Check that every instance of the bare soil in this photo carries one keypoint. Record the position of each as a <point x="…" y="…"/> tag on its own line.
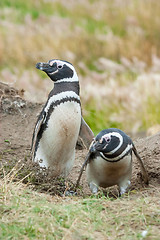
<point x="17" y="120"/>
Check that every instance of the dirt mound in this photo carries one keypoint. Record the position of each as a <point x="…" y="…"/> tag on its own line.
<point x="17" y="120"/>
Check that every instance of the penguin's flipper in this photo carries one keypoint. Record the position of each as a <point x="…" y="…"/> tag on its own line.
<point x="36" y="131"/>
<point x="143" y="169"/>
<point x="86" y="133"/>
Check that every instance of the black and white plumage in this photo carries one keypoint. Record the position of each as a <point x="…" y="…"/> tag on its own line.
<point x="110" y="161"/>
<point x="60" y="122"/>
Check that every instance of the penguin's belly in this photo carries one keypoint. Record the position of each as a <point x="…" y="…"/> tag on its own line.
<point x="56" y="148"/>
<point x="106" y="174"/>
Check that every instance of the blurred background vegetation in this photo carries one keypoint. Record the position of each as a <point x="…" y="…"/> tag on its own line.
<point x="114" y="46"/>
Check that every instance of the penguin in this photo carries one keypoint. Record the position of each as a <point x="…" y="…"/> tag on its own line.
<point x="60" y="122"/>
<point x="109" y="161"/>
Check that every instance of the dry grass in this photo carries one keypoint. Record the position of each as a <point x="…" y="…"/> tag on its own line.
<point x="30" y="215"/>
<point x="26" y="172"/>
<point x="111" y="30"/>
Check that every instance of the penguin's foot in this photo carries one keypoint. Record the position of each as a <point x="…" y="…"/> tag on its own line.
<point x="69" y="193"/>
<point x="124" y="187"/>
<point x="93" y="187"/>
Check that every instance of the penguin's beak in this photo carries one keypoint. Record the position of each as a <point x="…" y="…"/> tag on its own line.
<point x="96" y="146"/>
<point x="42" y="66"/>
<point x="92" y="149"/>
<point x="46" y="67"/>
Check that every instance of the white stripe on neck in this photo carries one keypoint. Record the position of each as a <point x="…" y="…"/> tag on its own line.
<point x="129" y="146"/>
<point x="60" y="96"/>
<point x="67" y="80"/>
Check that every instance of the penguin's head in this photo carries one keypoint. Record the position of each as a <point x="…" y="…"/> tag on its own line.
<point x="106" y="141"/>
<point x="58" y="70"/>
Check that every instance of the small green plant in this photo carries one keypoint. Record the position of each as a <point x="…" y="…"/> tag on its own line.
<point x="7" y="141"/>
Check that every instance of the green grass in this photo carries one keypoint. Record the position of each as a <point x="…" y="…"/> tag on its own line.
<point x="34" y="8"/>
<point x="32" y="215"/>
<point x="151" y="113"/>
<point x="99" y="119"/>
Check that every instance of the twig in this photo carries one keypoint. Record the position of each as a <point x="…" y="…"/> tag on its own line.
<point x="82" y="169"/>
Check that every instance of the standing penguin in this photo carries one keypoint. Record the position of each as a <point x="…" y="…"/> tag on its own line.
<point x="60" y="122"/>
<point x="110" y="161"/>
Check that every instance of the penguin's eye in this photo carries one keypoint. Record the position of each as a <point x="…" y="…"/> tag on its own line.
<point x="107" y="139"/>
<point x="60" y="66"/>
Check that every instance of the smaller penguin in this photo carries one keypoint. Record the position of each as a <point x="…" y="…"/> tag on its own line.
<point x="109" y="161"/>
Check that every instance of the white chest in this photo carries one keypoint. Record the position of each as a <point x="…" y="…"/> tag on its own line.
<point x="57" y="146"/>
<point x="64" y="123"/>
<point x="107" y="174"/>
